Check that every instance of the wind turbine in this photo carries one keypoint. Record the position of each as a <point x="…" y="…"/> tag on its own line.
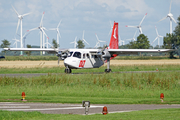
<point x="42" y="32"/>
<point x="139" y="26"/>
<point x="158" y="36"/>
<point x="170" y="16"/>
<point x="84" y="39"/>
<point x="16" y="40"/>
<point x="133" y="37"/>
<point x="20" y="17"/>
<point x="58" y="33"/>
<point x="98" y="43"/>
<point x="75" y="43"/>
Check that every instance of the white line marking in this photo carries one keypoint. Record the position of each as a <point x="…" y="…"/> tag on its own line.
<point x="51" y="108"/>
<point x="2" y="107"/>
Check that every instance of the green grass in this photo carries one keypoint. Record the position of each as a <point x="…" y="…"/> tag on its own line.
<point x="101" y="69"/>
<point x="113" y="88"/>
<point x="161" y="114"/>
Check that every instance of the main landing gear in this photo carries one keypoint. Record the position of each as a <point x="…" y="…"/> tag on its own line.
<point x="108" y="66"/>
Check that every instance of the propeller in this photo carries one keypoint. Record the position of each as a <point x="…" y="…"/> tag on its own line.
<point x="61" y="55"/>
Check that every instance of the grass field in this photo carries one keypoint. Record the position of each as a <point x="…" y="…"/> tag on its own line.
<point x="112" y="88"/>
<point x="162" y="114"/>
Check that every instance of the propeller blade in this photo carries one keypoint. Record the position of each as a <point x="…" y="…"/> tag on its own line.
<point x="142" y="19"/>
<point x="59" y="60"/>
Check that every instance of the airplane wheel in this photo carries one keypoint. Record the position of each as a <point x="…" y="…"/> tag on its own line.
<point x="67" y="71"/>
<point x="107" y="71"/>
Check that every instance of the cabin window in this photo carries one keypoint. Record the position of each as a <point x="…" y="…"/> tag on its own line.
<point x="84" y="55"/>
<point x="77" y="54"/>
<point x="69" y="54"/>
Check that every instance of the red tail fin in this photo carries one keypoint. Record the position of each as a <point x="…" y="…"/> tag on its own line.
<point x="114" y="42"/>
<point x="114" y="37"/>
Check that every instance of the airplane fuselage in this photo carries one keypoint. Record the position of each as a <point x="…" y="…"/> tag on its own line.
<point x="82" y="58"/>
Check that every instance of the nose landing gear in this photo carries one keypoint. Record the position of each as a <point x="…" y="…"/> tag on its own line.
<point x="67" y="70"/>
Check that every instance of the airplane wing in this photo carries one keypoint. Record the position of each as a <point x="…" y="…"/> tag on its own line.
<point x="50" y="50"/>
<point x="136" y="51"/>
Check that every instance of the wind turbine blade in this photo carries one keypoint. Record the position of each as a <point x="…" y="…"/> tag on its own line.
<point x="132" y="26"/>
<point x="135" y="34"/>
<point x="17" y="26"/>
<point x="97" y="37"/>
<point x="111" y="28"/>
<point x="41" y="23"/>
<point x="162" y="19"/>
<point x="155" y="40"/>
<point x="32" y="29"/>
<point x="143" y="19"/>
<point x="59" y="33"/>
<point x="156" y="30"/>
<point x="85" y="41"/>
<point x="173" y="20"/>
<point x="26" y="14"/>
<point x="59" y="23"/>
<point x="44" y="33"/>
<point x="83" y="35"/>
<point x="15" y="11"/>
<point x="170" y="7"/>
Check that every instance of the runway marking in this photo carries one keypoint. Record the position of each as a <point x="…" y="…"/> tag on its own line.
<point x="2" y="107"/>
<point x="43" y="109"/>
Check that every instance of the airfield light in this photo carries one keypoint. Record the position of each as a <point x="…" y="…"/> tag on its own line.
<point x="157" y="69"/>
<point x="104" y="111"/>
<point x="23" y="96"/>
<point x="162" y="97"/>
<point x="86" y="104"/>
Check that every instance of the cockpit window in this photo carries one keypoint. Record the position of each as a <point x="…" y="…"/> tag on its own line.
<point x="77" y="54"/>
<point x="69" y="54"/>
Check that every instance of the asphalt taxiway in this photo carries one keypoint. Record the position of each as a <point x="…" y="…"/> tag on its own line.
<point x="58" y="108"/>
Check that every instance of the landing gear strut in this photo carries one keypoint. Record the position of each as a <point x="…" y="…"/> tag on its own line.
<point x="108" y="66"/>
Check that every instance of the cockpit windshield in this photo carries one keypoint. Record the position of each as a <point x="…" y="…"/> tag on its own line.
<point x="69" y="54"/>
<point x="77" y="54"/>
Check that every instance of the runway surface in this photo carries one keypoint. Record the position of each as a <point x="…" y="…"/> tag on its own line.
<point x="57" y="108"/>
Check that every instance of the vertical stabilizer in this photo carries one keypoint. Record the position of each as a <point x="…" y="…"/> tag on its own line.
<point x="114" y="37"/>
<point x="114" y="42"/>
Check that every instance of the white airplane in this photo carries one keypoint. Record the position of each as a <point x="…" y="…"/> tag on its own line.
<point x="91" y="58"/>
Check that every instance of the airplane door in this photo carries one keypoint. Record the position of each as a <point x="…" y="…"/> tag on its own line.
<point x="86" y="58"/>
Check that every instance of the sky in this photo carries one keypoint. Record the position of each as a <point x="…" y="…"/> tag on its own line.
<point x="92" y="16"/>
